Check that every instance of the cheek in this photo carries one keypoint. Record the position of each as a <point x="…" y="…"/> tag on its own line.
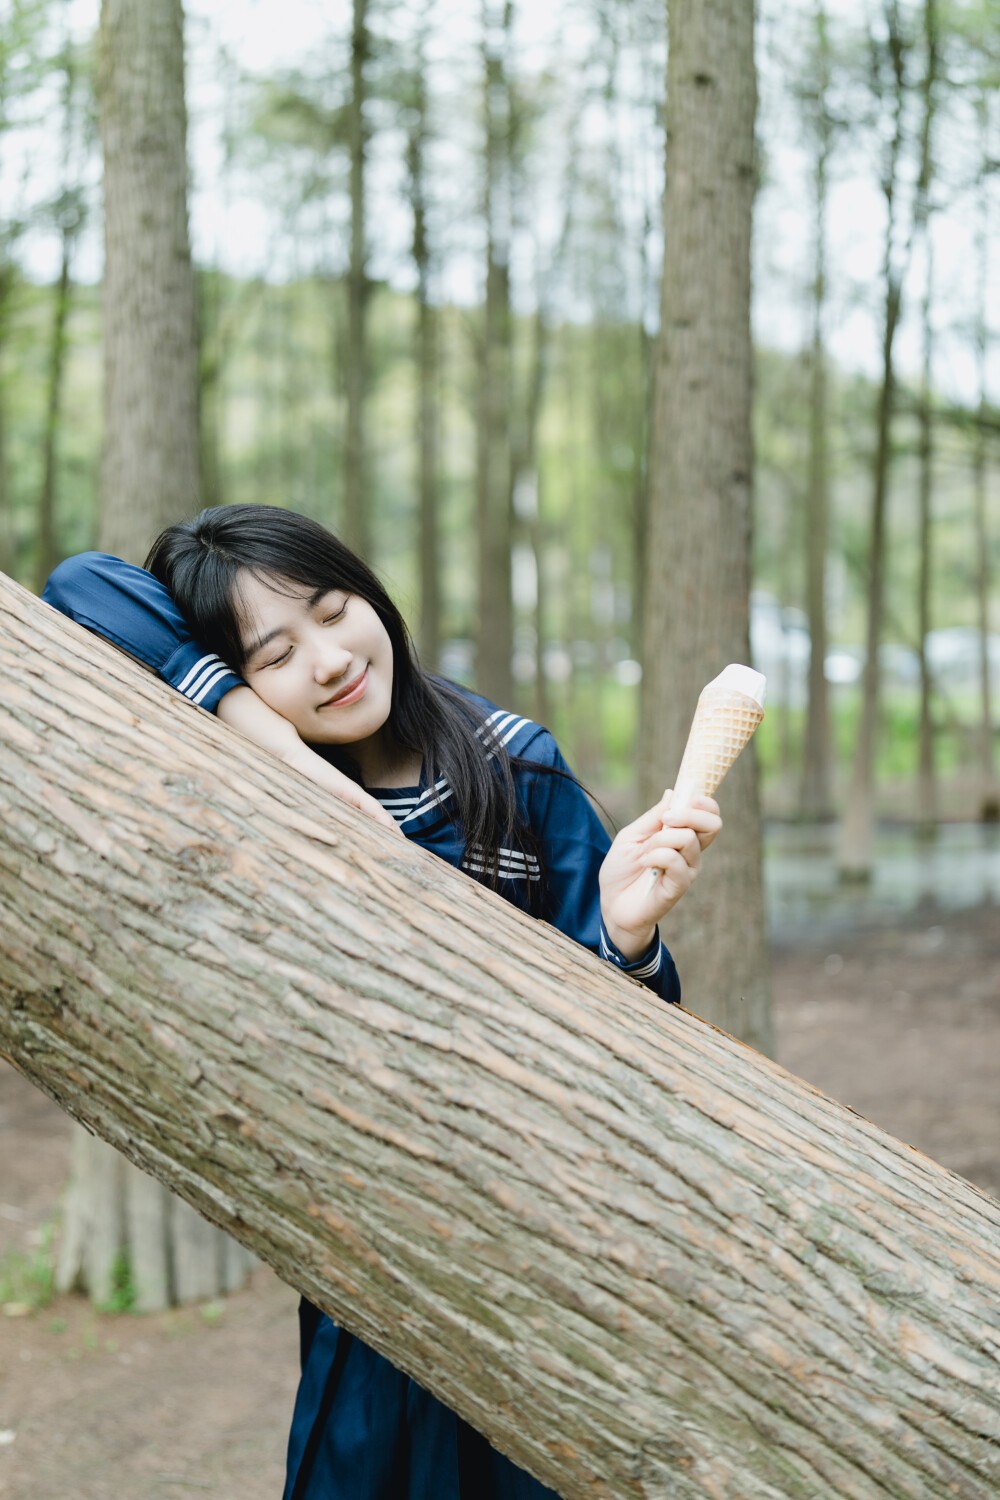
<point x="278" y="690"/>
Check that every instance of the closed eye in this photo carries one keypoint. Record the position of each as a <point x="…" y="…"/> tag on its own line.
<point x="278" y="660"/>
<point x="336" y="615"/>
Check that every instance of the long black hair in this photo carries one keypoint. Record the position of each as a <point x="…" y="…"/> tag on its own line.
<point x="199" y="563"/>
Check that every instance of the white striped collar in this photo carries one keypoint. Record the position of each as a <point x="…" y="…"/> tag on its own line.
<point x="411" y="808"/>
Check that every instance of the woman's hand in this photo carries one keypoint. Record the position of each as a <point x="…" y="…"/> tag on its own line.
<point x="241" y="709"/>
<point x="632" y="903"/>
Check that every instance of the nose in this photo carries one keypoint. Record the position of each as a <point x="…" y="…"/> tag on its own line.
<point x="331" y="661"/>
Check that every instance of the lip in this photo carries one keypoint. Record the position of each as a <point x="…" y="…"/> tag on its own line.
<point x="350" y="694"/>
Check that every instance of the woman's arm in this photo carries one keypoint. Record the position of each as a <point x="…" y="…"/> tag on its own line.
<point x="131" y="609"/>
<point x="242" y="710"/>
<point x="573" y="846"/>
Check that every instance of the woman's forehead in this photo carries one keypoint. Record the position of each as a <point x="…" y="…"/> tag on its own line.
<point x="271" y="600"/>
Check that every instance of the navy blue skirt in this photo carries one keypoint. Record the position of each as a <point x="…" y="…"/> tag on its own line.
<point x="362" y="1430"/>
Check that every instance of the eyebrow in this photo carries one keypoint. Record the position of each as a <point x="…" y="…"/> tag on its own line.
<point x="264" y="640"/>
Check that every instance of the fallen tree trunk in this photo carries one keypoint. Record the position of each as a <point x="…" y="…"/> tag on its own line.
<point x="643" y="1260"/>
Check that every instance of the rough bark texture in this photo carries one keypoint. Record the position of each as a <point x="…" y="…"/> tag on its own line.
<point x="856" y="852"/>
<point x="817" y="769"/>
<point x="357" y="521"/>
<point x="151" y="449"/>
<point x="428" y="375"/>
<point x="642" y="1259"/>
<point x="696" y="599"/>
<point x="925" y="418"/>
<point x="989" y="801"/>
<point x="494" y="521"/>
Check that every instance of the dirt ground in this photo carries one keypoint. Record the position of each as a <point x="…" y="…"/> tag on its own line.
<point x="904" y="1025"/>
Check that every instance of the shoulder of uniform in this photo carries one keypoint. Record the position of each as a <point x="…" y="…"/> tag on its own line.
<point x="501" y="726"/>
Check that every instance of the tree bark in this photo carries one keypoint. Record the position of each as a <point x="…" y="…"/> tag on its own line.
<point x="495" y="626"/>
<point x="428" y="375"/>
<point x="45" y="557"/>
<point x="927" y="788"/>
<point x="856" y="851"/>
<point x="357" y="520"/>
<point x="697" y="592"/>
<point x="150" y="472"/>
<point x="817" y="769"/>
<point x="989" y="800"/>
<point x="642" y="1259"/>
<point x="150" y="478"/>
<point x="70" y="223"/>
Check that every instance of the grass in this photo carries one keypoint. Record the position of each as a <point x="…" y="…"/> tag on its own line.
<point x="27" y="1280"/>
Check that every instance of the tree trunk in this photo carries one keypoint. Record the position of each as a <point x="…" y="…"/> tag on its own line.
<point x="989" y="800"/>
<point x="114" y="1223"/>
<point x="71" y="222"/>
<point x="8" y="530"/>
<point x="817" y="769"/>
<point x="494" y="636"/>
<point x="357" y="520"/>
<point x="428" y="378"/>
<point x="150" y="474"/>
<point x="926" y="785"/>
<point x="696" y="597"/>
<point x="46" y="555"/>
<point x="643" y="1260"/>
<point x="856" y="852"/>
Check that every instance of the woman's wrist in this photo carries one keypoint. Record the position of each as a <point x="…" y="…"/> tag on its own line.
<point x="631" y="945"/>
<point x="241" y="709"/>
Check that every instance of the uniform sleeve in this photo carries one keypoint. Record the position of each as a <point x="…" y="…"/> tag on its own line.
<point x="573" y="845"/>
<point x="129" y="607"/>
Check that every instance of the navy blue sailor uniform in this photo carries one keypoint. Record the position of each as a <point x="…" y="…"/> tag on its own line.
<point x="361" y="1429"/>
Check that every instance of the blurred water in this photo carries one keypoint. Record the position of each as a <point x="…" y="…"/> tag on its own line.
<point x="807" y="901"/>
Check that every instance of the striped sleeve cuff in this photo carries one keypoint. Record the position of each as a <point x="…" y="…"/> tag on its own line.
<point x="646" y="966"/>
<point x="202" y="677"/>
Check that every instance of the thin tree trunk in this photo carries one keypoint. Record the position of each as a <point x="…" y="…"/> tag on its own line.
<point x="643" y="1260"/>
<point x="817" y="771"/>
<point x="700" y="477"/>
<point x="151" y="446"/>
<point x="150" y="478"/>
<point x="210" y="362"/>
<point x="528" y="484"/>
<point x="357" y="498"/>
<point x="926" y="783"/>
<point x="428" y="377"/>
<point x="47" y="551"/>
<point x="926" y="779"/>
<point x="856" y="850"/>
<point x="989" y="801"/>
<point x="494" y="636"/>
<point x="8" y="530"/>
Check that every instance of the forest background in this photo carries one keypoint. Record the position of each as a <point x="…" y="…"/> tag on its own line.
<point x="878" y="145"/>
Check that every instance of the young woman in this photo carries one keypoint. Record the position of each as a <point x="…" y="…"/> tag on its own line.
<point x="262" y="616"/>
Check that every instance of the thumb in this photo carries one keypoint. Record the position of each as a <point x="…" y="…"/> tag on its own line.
<point x="650" y="822"/>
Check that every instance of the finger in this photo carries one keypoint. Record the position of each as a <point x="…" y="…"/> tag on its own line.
<point x="374" y="809"/>
<point x="693" y="817"/>
<point x="649" y="822"/>
<point x="684" y="840"/>
<point x="677" y="860"/>
<point x="671" y="866"/>
<point x="673" y="840"/>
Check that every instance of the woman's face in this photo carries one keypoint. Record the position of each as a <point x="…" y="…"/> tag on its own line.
<point x="324" y="662"/>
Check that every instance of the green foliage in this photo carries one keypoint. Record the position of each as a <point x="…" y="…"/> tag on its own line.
<point x="27" y="1280"/>
<point x="123" y="1292"/>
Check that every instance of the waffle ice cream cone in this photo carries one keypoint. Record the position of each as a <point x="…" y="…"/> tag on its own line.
<point x="728" y="712"/>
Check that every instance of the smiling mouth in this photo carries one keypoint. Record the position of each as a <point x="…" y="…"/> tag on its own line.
<point x="349" y="694"/>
